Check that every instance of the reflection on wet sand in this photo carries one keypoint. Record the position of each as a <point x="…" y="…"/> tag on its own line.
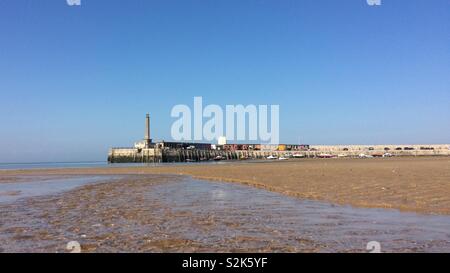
<point x="163" y="213"/>
<point x="23" y="187"/>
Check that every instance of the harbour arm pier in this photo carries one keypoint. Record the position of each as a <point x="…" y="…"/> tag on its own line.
<point x="147" y="151"/>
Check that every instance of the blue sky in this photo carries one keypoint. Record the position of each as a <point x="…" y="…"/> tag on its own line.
<point x="77" y="80"/>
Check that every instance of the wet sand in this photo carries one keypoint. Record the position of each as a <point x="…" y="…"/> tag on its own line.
<point x="38" y="186"/>
<point x="168" y="213"/>
<point x="409" y="184"/>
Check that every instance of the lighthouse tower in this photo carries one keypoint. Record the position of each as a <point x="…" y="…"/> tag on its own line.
<point x="147" y="138"/>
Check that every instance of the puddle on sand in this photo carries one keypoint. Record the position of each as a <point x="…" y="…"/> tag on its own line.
<point x="10" y="192"/>
<point x="158" y="213"/>
<point x="233" y="210"/>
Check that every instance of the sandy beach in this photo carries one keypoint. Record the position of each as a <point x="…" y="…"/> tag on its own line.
<point x="408" y="184"/>
<point x="261" y="207"/>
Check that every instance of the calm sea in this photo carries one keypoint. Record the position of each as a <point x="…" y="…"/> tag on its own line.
<point x="51" y="165"/>
<point x="95" y="164"/>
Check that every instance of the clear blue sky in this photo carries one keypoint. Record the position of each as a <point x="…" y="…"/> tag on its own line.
<point x="77" y="80"/>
